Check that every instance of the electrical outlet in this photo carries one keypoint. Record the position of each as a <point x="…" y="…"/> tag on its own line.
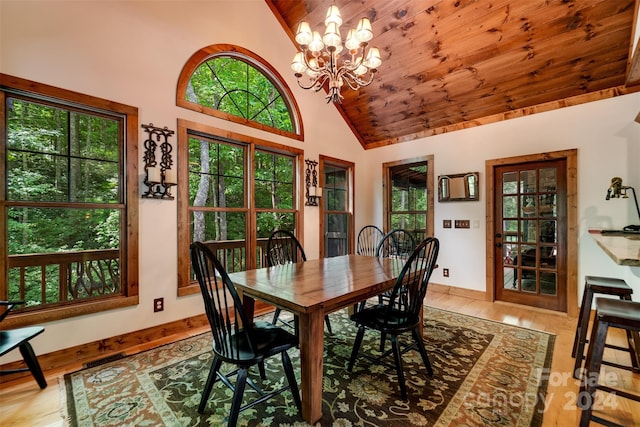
<point x="462" y="223"/>
<point x="445" y="272"/>
<point x="446" y="223"/>
<point x="158" y="305"/>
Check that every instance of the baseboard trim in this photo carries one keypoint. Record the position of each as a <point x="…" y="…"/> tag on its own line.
<point x="129" y="343"/>
<point x="460" y="292"/>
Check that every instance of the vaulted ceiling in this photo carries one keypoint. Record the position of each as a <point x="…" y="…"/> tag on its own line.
<point x="452" y="64"/>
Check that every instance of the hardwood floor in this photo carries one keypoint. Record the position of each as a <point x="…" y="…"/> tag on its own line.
<point x="22" y="403"/>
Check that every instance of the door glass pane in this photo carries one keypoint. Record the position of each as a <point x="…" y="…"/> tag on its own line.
<point x="528" y="208"/>
<point x="548" y="283"/>
<point x="528" y="230"/>
<point x="510" y="183"/>
<point x="548" y="179"/>
<point x="528" y="181"/>
<point x="510" y="206"/>
<point x="548" y="232"/>
<point x="548" y="205"/>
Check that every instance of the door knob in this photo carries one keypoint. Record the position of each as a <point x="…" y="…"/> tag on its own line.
<point x="498" y="245"/>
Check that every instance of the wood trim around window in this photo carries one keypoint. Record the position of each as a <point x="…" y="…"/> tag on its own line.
<point x="350" y="166"/>
<point x="386" y="186"/>
<point x="129" y="246"/>
<point x="272" y="74"/>
<point x="185" y="285"/>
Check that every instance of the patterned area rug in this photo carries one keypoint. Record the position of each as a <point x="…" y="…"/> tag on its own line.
<point x="486" y="373"/>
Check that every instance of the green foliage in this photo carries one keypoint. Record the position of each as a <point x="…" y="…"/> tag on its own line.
<point x="69" y="158"/>
<point x="238" y="87"/>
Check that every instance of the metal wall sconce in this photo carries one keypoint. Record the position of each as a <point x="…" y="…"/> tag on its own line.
<point x="313" y="193"/>
<point x="617" y="190"/>
<point x="159" y="178"/>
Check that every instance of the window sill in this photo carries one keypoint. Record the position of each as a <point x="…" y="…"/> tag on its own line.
<point x="16" y="320"/>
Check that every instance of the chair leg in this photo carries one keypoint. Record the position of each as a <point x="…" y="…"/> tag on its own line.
<point x="328" y="322"/>
<point x="581" y="332"/>
<point x="211" y="379"/>
<point x="583" y="310"/>
<point x="383" y="341"/>
<point x="293" y="384"/>
<point x="31" y="360"/>
<point x="423" y="350"/>
<point x="399" y="369"/>
<point x="276" y="314"/>
<point x="263" y="373"/>
<point x="591" y="372"/>
<point x="356" y="348"/>
<point x="237" y="397"/>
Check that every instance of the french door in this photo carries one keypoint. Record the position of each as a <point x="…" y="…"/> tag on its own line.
<point x="531" y="233"/>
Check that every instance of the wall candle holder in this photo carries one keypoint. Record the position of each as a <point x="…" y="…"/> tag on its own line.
<point x="159" y="178"/>
<point x="312" y="191"/>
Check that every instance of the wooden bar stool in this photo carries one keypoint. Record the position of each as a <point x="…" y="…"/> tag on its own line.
<point x="615" y="313"/>
<point x="605" y="286"/>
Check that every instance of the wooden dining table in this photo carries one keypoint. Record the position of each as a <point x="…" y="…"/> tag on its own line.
<point x="310" y="290"/>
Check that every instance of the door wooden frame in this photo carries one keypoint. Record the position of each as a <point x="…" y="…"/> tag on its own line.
<point x="571" y="157"/>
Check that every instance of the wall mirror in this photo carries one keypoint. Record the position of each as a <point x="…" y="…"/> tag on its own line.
<point x="458" y="187"/>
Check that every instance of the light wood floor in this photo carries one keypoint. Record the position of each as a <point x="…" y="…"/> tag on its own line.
<point x="24" y="404"/>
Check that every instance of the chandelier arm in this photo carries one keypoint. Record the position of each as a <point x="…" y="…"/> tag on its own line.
<point x="315" y="84"/>
<point x="355" y="82"/>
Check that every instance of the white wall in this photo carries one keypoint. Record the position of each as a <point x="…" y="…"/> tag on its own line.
<point x="132" y="52"/>
<point x="608" y="143"/>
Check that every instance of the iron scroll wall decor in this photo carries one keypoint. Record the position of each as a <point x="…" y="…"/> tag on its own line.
<point x="158" y="177"/>
<point x="313" y="193"/>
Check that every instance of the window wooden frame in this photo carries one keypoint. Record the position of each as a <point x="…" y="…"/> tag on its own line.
<point x="350" y="166"/>
<point x="256" y="61"/>
<point x="129" y="231"/>
<point x="387" y="188"/>
<point x="185" y="128"/>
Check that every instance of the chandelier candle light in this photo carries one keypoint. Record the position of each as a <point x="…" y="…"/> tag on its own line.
<point x="322" y="63"/>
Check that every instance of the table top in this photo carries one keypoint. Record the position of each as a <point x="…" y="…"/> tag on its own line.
<point x="623" y="248"/>
<point x="330" y="283"/>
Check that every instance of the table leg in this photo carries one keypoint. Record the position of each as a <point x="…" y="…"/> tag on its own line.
<point x="248" y="304"/>
<point x="311" y="351"/>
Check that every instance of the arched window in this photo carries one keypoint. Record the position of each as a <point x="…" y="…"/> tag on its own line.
<point x="234" y="84"/>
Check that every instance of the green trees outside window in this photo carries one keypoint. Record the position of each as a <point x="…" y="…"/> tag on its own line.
<point x="409" y="198"/>
<point x="63" y="201"/>
<point x="232" y="187"/>
<point x="234" y="86"/>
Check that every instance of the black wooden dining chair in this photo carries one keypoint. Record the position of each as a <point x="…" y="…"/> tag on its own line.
<point x="368" y="239"/>
<point x="284" y="248"/>
<point x="397" y="243"/>
<point x="397" y="316"/>
<point x="19" y="338"/>
<point x="234" y="341"/>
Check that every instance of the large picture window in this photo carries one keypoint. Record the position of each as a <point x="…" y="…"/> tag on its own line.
<point x="236" y="192"/>
<point x="64" y="164"/>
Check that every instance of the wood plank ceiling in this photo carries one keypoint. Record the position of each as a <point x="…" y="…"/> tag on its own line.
<point x="452" y="64"/>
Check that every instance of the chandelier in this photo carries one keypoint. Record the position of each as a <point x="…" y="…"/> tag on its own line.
<point x="321" y="61"/>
